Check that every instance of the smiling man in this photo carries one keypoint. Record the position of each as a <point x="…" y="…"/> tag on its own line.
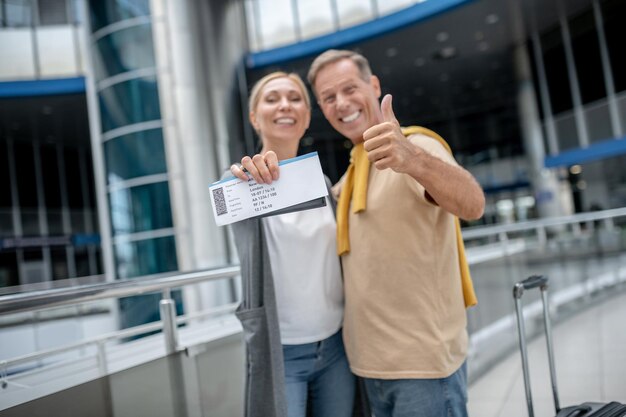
<point x="406" y="279"/>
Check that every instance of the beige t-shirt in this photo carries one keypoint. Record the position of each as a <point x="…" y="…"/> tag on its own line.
<point x="404" y="312"/>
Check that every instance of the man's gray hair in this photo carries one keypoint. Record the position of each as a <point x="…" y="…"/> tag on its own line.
<point x="334" y="55"/>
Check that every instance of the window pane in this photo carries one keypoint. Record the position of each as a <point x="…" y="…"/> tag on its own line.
<point x="145" y="257"/>
<point x="8" y="269"/>
<point x="352" y="12"/>
<point x="25" y="174"/>
<point x="6" y="222"/>
<point x="140" y="209"/>
<point x="30" y="222"/>
<point x="99" y="268"/>
<point x="77" y="221"/>
<point x="81" y="256"/>
<point x="33" y="254"/>
<point x="613" y="12"/>
<point x="141" y="309"/>
<point x="390" y="6"/>
<point x="52" y="12"/>
<point x="50" y="170"/>
<point x="276" y="23"/>
<point x="17" y="13"/>
<point x="103" y="13"/>
<point x="77" y="11"/>
<point x="135" y="155"/>
<point x="73" y="178"/>
<point x="556" y="71"/>
<point x="599" y="122"/>
<point x="55" y="221"/>
<point x="124" y="50"/>
<point x="587" y="57"/>
<point x="567" y="132"/>
<point x="315" y="17"/>
<point x="58" y="258"/>
<point x="253" y="30"/>
<point x="5" y="176"/>
<point x="130" y="102"/>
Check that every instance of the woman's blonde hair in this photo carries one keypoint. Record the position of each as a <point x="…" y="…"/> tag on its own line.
<point x="255" y="93"/>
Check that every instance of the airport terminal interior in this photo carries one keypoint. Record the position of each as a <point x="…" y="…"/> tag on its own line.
<point x="117" y="115"/>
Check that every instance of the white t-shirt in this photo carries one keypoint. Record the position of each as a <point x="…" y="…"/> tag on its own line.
<point x="307" y="276"/>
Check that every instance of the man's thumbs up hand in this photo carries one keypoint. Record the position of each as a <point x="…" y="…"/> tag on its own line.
<point x="385" y="144"/>
<point x="387" y="110"/>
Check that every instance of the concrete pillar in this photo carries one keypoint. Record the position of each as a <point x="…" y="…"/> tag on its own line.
<point x="545" y="182"/>
<point x="198" y="47"/>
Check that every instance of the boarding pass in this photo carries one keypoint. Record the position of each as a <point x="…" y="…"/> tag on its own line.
<point x="300" y="180"/>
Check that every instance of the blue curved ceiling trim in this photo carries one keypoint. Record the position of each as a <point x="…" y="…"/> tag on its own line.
<point x="35" y="88"/>
<point x="594" y="152"/>
<point x="364" y="31"/>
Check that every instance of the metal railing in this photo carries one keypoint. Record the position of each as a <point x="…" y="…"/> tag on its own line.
<point x="39" y="300"/>
<point x="583" y="254"/>
<point x="28" y="376"/>
<point x="540" y="226"/>
<point x="100" y="341"/>
<point x="538" y="232"/>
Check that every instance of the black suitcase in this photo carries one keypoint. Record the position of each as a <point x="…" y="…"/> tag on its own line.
<point x="589" y="409"/>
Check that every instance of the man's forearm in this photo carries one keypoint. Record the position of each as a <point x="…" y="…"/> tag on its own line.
<point x="451" y="187"/>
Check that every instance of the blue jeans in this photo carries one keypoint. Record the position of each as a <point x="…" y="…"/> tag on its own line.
<point x="319" y="371"/>
<point x="443" y="397"/>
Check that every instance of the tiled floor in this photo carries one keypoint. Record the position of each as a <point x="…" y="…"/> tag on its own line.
<point x="590" y="356"/>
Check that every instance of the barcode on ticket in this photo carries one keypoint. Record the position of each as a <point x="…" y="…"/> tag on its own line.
<point x="220" y="201"/>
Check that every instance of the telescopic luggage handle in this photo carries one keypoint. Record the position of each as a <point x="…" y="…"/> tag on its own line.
<point x="529" y="283"/>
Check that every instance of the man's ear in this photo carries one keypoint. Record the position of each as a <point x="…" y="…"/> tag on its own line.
<point x="375" y="83"/>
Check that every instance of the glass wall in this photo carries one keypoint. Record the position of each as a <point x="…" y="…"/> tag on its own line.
<point x="613" y="12"/>
<point x="316" y="17"/>
<point x="134" y="155"/>
<point x="275" y="23"/>
<point x="133" y="148"/>
<point x="41" y="39"/>
<point x="16" y="13"/>
<point x="129" y="102"/>
<point x="125" y="50"/>
<point x="48" y="217"/>
<point x="105" y="13"/>
<point x="456" y="72"/>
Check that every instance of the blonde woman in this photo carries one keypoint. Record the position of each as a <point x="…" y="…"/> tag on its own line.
<point x="292" y="307"/>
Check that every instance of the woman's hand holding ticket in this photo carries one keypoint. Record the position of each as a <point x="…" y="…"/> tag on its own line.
<point x="263" y="168"/>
